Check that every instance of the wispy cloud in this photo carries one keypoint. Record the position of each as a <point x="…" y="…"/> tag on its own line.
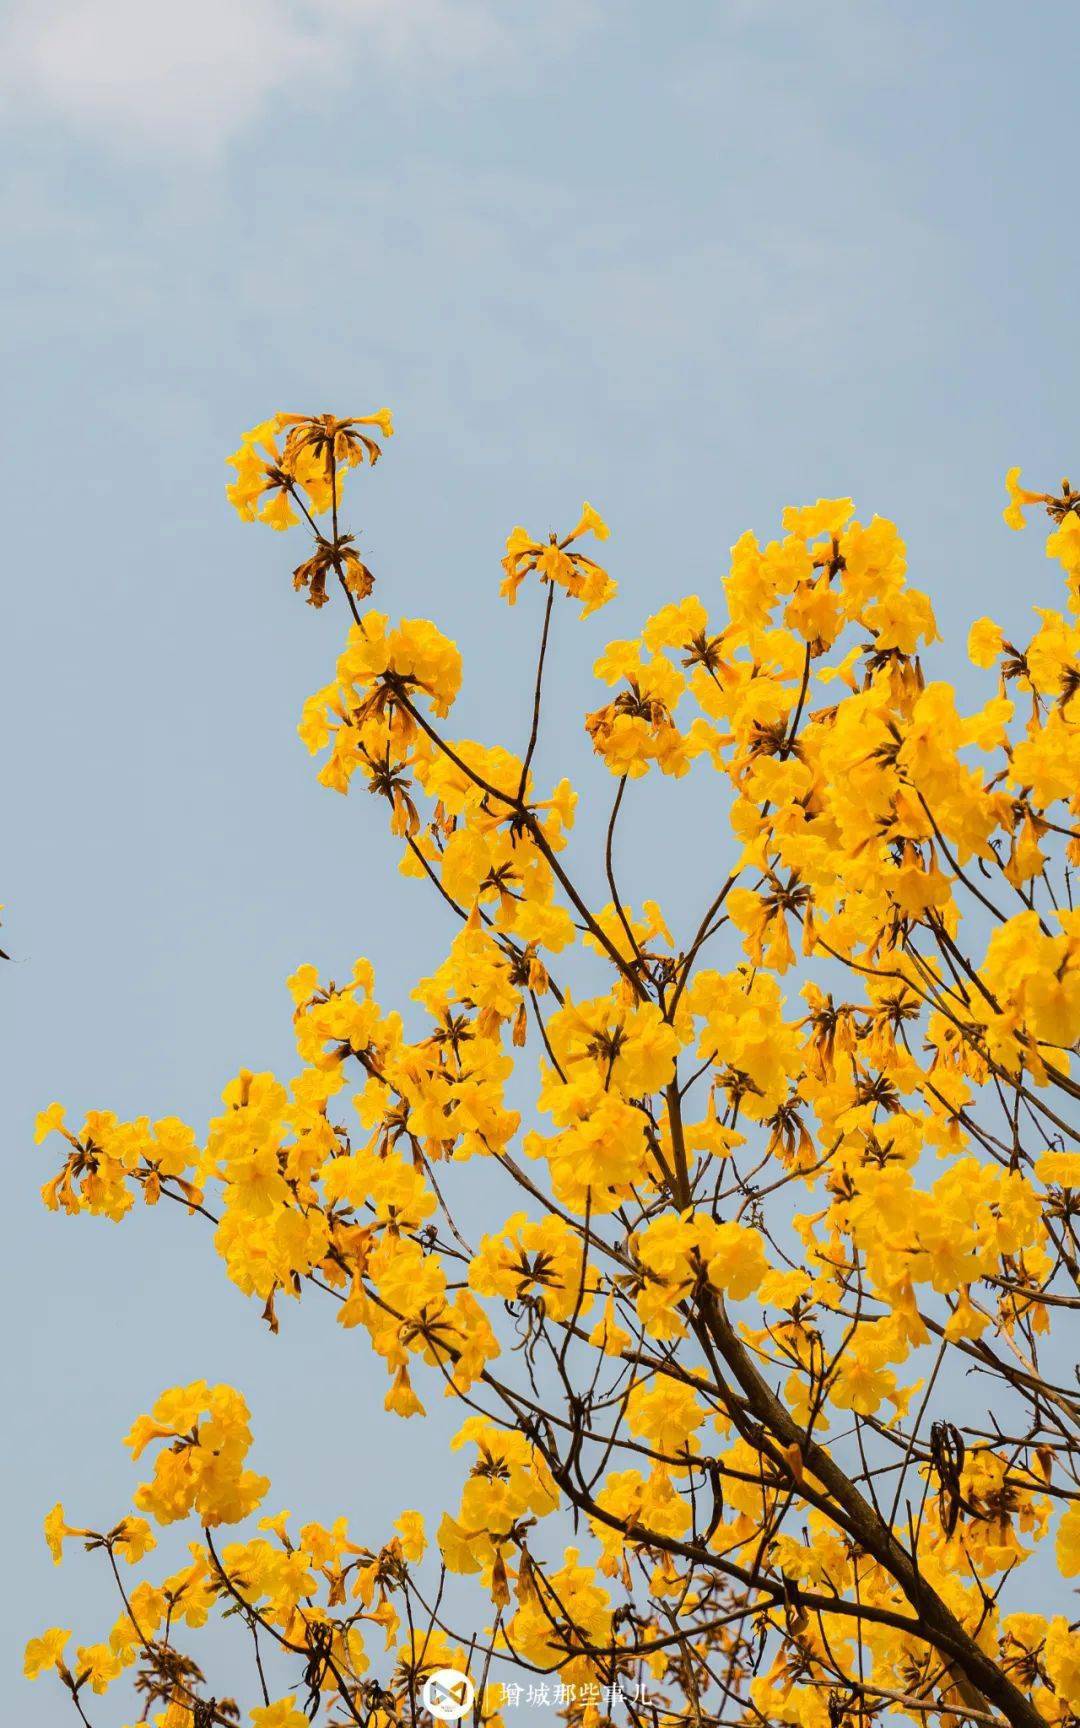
<point x="188" y="77"/>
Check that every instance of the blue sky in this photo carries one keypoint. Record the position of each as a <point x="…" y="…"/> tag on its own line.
<point x="691" y="262"/>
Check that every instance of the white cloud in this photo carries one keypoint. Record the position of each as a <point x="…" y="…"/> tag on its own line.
<point x="190" y="74"/>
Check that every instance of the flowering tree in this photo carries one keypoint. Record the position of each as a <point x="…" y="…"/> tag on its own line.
<point x="793" y="1169"/>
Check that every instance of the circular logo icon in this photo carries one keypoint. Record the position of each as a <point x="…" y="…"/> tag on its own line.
<point x="448" y="1694"/>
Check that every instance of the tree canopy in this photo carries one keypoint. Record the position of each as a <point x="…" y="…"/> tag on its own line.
<point x="793" y="1163"/>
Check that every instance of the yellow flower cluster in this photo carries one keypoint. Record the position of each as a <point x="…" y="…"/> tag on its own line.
<point x="306" y="468"/>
